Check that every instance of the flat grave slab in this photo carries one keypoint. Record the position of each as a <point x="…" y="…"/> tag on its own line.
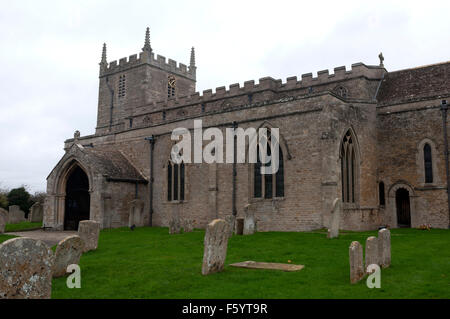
<point x="262" y="265"/>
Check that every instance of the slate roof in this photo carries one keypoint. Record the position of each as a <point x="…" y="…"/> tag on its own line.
<point x="113" y="164"/>
<point x="428" y="81"/>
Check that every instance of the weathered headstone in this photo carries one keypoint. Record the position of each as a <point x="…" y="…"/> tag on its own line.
<point x="263" y="265"/>
<point x="36" y="213"/>
<point x="175" y="222"/>
<point x="384" y="247"/>
<point x="216" y="243"/>
<point x="333" y="232"/>
<point x="3" y="219"/>
<point x="239" y="226"/>
<point x="231" y="221"/>
<point x="136" y="216"/>
<point x="15" y="215"/>
<point x="89" y="231"/>
<point x="188" y="225"/>
<point x="249" y="221"/>
<point x="25" y="269"/>
<point x="68" y="252"/>
<point x="372" y="251"/>
<point x="356" y="262"/>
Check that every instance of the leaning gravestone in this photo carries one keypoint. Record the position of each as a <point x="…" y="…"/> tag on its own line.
<point x="372" y="251"/>
<point x="333" y="232"/>
<point x="89" y="231"/>
<point x="36" y="213"/>
<point x="249" y="221"/>
<point x="68" y="252"/>
<point x="16" y="215"/>
<point x="3" y="219"/>
<point x="356" y="262"/>
<point x="384" y="247"/>
<point x="25" y="269"/>
<point x="216" y="243"/>
<point x="239" y="226"/>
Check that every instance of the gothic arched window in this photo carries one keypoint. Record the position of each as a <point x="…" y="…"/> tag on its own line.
<point x="349" y="168"/>
<point x="428" y="163"/>
<point x="175" y="181"/>
<point x="268" y="185"/>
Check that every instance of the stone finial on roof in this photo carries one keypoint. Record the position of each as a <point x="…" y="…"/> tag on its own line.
<point x="381" y="57"/>
<point x="147" y="46"/>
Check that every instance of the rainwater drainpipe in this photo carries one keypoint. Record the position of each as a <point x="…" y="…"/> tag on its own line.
<point x="234" y="169"/>
<point x="112" y="103"/>
<point x="444" y="108"/>
<point x="151" y="141"/>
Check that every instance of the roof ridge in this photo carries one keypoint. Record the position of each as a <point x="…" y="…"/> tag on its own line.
<point x="420" y="67"/>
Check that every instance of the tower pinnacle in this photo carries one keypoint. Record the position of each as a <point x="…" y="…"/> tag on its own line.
<point x="192" y="64"/>
<point x="103" y="62"/>
<point x="147" y="46"/>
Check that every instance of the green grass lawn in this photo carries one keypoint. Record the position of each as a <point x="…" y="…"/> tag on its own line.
<point x="22" y="226"/>
<point x="150" y="263"/>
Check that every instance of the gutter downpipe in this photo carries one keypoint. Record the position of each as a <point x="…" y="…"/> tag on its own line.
<point x="444" y="108"/>
<point x="151" y="141"/>
<point x="234" y="170"/>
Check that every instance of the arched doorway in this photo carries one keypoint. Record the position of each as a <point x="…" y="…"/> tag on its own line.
<point x="77" y="199"/>
<point x="403" y="208"/>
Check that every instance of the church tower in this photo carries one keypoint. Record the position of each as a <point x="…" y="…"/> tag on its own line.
<point x="136" y="82"/>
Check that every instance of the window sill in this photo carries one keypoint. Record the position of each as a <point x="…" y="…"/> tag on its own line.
<point x="259" y="200"/>
<point x="175" y="202"/>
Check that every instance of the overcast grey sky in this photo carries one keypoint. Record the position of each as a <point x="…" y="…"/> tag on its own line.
<point x="50" y="52"/>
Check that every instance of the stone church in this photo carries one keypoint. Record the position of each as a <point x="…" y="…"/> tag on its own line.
<point x="372" y="138"/>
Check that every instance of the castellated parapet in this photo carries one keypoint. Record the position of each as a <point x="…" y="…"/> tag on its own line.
<point x="146" y="57"/>
<point x="358" y="83"/>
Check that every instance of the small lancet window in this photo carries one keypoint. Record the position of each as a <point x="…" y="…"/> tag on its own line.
<point x="428" y="163"/>
<point x="381" y="195"/>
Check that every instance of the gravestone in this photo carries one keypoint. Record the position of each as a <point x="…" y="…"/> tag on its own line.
<point x="384" y="247"/>
<point x="136" y="216"/>
<point x="239" y="226"/>
<point x="216" y="243"/>
<point x="272" y="266"/>
<point x="249" y="221"/>
<point x="25" y="269"/>
<point x="355" y="252"/>
<point x="36" y="213"/>
<point x="68" y="252"/>
<point x="372" y="251"/>
<point x="231" y="221"/>
<point x="3" y="219"/>
<point x="333" y="232"/>
<point x="89" y="231"/>
<point x="174" y="222"/>
<point x="16" y="215"/>
<point x="188" y="225"/>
